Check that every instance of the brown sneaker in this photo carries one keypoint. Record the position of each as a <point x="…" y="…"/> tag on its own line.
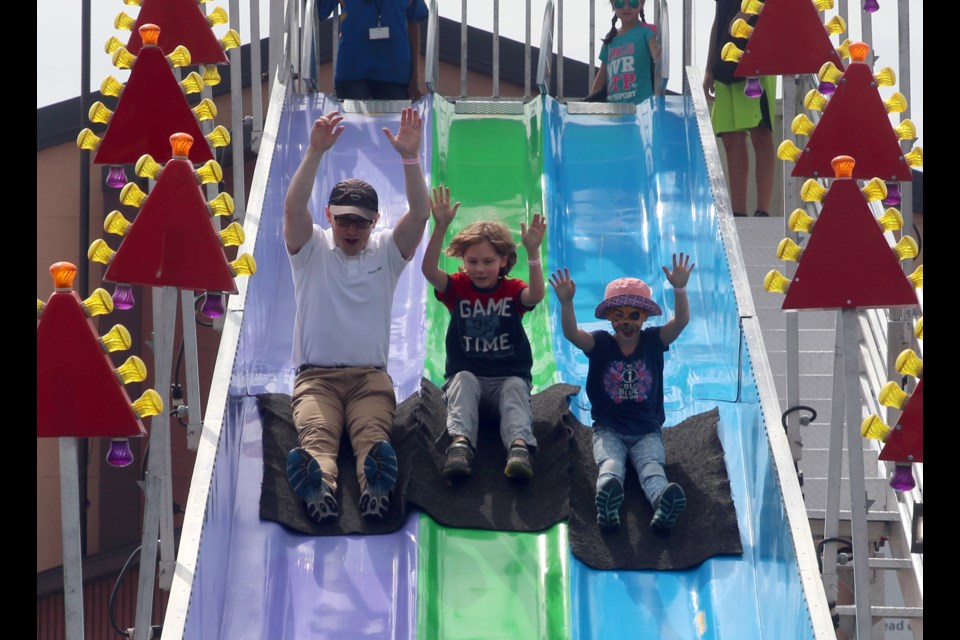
<point x="518" y="463"/>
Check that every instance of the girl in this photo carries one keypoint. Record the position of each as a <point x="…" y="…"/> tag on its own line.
<point x="488" y="354"/>
<point x="627" y="55"/>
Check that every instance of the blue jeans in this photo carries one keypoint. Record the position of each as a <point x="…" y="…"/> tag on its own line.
<point x="610" y="450"/>
<point x="510" y="397"/>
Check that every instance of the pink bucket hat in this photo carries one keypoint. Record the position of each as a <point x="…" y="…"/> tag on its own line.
<point x="627" y="292"/>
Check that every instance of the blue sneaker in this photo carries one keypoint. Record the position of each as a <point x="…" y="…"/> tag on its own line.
<point x="306" y="480"/>
<point x="609" y="499"/>
<point x="670" y="505"/>
<point x="380" y="471"/>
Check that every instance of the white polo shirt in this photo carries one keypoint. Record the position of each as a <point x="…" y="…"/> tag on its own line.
<point x="343" y="302"/>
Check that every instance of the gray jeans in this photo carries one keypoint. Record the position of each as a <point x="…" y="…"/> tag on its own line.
<point x="509" y="397"/>
<point x="610" y="450"/>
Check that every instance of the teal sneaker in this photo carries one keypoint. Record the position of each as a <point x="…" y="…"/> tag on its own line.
<point x="670" y="505"/>
<point x="380" y="470"/>
<point x="609" y="499"/>
<point x="306" y="480"/>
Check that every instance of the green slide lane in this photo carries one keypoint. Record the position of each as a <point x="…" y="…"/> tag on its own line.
<point x="473" y="584"/>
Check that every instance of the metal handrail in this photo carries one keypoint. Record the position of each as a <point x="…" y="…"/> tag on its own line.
<point x="546" y="49"/>
<point x="432" y="67"/>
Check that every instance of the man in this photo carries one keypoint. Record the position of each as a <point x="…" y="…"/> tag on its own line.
<point x="344" y="279"/>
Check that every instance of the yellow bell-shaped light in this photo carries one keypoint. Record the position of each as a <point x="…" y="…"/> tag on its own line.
<point x="844" y="49"/>
<point x="875" y="189"/>
<point x="885" y="77"/>
<point x="835" y="26"/>
<point x="812" y="191"/>
<point x="753" y="7"/>
<point x="123" y="21"/>
<point x="211" y="75"/>
<point x="800" y="221"/>
<point x="776" y="282"/>
<point x="829" y="73"/>
<point x="123" y="59"/>
<point x="859" y="51"/>
<point x="788" y="151"/>
<point x="740" y="29"/>
<point x="133" y="370"/>
<point x="244" y="265"/>
<point x="88" y="140"/>
<point x="133" y="3"/>
<point x="222" y="205"/>
<point x="802" y="125"/>
<point x="233" y="235"/>
<point x="193" y="83"/>
<point x="891" y="220"/>
<point x="219" y="137"/>
<point x="217" y="16"/>
<point x="915" y="157"/>
<point x="789" y="250"/>
<point x="63" y="274"/>
<point x="40" y="306"/>
<point x="823" y="5"/>
<point x="148" y="404"/>
<point x="100" y="251"/>
<point x="99" y="112"/>
<point x="179" y="57"/>
<point x="731" y="53"/>
<point x="814" y="100"/>
<point x="896" y="103"/>
<point x="874" y="428"/>
<point x="117" y="339"/>
<point x="131" y="195"/>
<point x="231" y="40"/>
<point x="112" y="44"/>
<point x="206" y="110"/>
<point x="210" y="172"/>
<point x="99" y="303"/>
<point x="111" y="86"/>
<point x="918" y="330"/>
<point x="916" y="278"/>
<point x="147" y="167"/>
<point x="891" y="395"/>
<point x="906" y="130"/>
<point x="843" y="166"/>
<point x="906" y="248"/>
<point x="909" y="364"/>
<point x="116" y="224"/>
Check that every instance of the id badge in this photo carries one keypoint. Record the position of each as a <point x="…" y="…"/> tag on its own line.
<point x="379" y="33"/>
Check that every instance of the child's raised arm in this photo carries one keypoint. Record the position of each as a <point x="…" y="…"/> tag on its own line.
<point x="678" y="278"/>
<point x="443" y="215"/>
<point x="532" y="237"/>
<point x="565" y="289"/>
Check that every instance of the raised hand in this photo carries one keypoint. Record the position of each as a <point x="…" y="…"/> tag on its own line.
<point x="325" y="131"/>
<point x="443" y="213"/>
<point x="408" y="138"/>
<point x="680" y="273"/>
<point x="563" y="285"/>
<point x="532" y="236"/>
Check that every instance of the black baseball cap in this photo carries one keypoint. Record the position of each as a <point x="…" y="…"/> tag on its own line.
<point x="354" y="196"/>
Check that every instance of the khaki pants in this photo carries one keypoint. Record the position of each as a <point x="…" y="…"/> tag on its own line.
<point x="325" y="400"/>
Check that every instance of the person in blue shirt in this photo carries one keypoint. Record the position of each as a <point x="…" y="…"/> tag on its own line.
<point x="625" y="389"/>
<point x="379" y="48"/>
<point x="627" y="55"/>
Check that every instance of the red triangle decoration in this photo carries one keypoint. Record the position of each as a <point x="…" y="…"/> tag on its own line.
<point x="788" y="38"/>
<point x="847" y="262"/>
<point x="152" y="107"/>
<point x="181" y="22"/>
<point x="905" y="442"/>
<point x="855" y="123"/>
<point x="173" y="242"/>
<point x="78" y="393"/>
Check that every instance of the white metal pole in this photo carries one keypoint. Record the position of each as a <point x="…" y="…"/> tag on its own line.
<point x="70" y="530"/>
<point x="191" y="364"/>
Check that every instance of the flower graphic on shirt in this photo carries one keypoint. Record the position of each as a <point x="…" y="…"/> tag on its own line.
<point x="627" y="381"/>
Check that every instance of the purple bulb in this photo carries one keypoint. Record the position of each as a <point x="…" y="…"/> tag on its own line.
<point x="871" y="6"/>
<point x="213" y="305"/>
<point x="116" y="177"/>
<point x="120" y="454"/>
<point x="827" y="88"/>
<point x="902" y="478"/>
<point x="753" y="88"/>
<point x="123" y="297"/>
<point x="893" y="195"/>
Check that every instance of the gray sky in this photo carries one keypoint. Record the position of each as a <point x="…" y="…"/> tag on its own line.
<point x="58" y="38"/>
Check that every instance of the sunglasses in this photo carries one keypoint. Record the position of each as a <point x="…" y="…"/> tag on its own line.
<point x="352" y="221"/>
<point x="624" y="313"/>
<point x="618" y="4"/>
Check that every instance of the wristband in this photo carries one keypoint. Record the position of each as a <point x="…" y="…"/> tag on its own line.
<point x="533" y="263"/>
<point x="410" y="160"/>
<point x="679" y="289"/>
